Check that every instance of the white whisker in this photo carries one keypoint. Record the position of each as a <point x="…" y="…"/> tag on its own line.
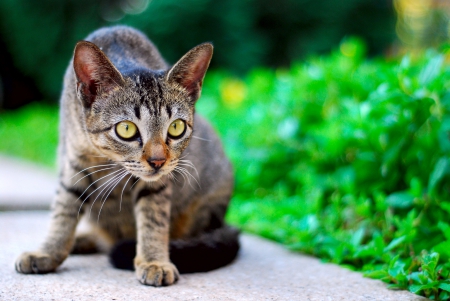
<point x="134" y="183"/>
<point x="187" y="154"/>
<point x="121" y="195"/>
<point x="175" y="177"/>
<point x="108" y="175"/>
<point x="93" y="173"/>
<point x="183" y="171"/>
<point x="99" y="156"/>
<point x="108" y="182"/>
<point x="199" y="138"/>
<point x="90" y="168"/>
<point x="189" y="174"/>
<point x="189" y="164"/>
<point x="123" y="175"/>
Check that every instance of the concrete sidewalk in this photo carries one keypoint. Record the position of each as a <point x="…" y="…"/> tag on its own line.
<point x="24" y="185"/>
<point x="263" y="270"/>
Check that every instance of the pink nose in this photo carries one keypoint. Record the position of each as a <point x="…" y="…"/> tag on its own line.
<point x="156" y="163"/>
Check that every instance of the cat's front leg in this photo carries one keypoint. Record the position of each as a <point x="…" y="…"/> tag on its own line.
<point x="59" y="240"/>
<point x="152" y="263"/>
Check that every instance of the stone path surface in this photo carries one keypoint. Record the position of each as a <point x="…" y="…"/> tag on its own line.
<point x="262" y="271"/>
<point x="24" y="185"/>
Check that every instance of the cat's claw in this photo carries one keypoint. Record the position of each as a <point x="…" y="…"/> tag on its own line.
<point x="35" y="263"/>
<point x="157" y="273"/>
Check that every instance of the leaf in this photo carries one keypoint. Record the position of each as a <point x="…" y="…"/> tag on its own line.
<point x="431" y="70"/>
<point x="441" y="169"/>
<point x="357" y="237"/>
<point x="429" y="263"/>
<point x="379" y="274"/>
<point x="417" y="288"/>
<point x="444" y="286"/>
<point x="400" y="200"/>
<point x="445" y="228"/>
<point x="395" y="243"/>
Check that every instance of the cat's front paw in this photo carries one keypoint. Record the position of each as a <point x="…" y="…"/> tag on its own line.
<point x="36" y="263"/>
<point x="157" y="273"/>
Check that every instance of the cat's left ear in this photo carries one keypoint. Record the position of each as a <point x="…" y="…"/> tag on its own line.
<point x="190" y="70"/>
<point x="96" y="75"/>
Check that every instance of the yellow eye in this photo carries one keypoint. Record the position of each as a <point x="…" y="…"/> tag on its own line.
<point x="126" y="129"/>
<point x="176" y="128"/>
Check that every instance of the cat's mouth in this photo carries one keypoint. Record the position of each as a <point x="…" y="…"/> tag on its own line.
<point x="151" y="176"/>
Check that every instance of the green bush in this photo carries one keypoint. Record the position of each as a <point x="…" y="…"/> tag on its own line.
<point x="347" y="159"/>
<point x="340" y="156"/>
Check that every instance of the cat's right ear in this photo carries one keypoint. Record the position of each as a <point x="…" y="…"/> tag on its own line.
<point x="96" y="75"/>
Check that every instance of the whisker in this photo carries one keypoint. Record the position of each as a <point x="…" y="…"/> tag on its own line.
<point x="199" y="138"/>
<point x="187" y="154"/>
<point x="99" y="156"/>
<point x="189" y="164"/>
<point x="162" y="182"/>
<point x="189" y="174"/>
<point x="123" y="175"/>
<point x="93" y="173"/>
<point x="134" y="183"/>
<point x="109" y="182"/>
<point x="121" y="195"/>
<point x="90" y="168"/>
<point x="108" y="175"/>
<point x="109" y="190"/>
<point x="172" y="176"/>
<point x="182" y="172"/>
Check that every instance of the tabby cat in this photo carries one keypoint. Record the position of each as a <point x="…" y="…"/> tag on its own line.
<point x="148" y="173"/>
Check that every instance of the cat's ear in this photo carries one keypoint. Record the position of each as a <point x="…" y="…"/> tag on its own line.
<point x="96" y="75"/>
<point x="190" y="70"/>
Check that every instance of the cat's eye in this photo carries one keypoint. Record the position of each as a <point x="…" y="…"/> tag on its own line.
<point x="177" y="128"/>
<point x="126" y="129"/>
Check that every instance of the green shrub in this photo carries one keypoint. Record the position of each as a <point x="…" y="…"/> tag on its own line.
<point x="339" y="156"/>
<point x="347" y="159"/>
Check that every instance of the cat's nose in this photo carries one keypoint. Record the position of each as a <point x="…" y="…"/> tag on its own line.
<point x="156" y="163"/>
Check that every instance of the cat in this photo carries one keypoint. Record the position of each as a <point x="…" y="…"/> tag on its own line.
<point x="138" y="163"/>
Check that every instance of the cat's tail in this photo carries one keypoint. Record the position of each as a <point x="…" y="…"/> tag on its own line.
<point x="207" y="252"/>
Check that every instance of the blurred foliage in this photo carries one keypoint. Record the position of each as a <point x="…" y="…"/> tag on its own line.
<point x="31" y="133"/>
<point x="340" y="156"/>
<point x="40" y="35"/>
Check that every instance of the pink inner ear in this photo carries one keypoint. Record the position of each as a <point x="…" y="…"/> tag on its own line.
<point x="84" y="66"/>
<point x="193" y="77"/>
<point x="95" y="74"/>
<point x="195" y="74"/>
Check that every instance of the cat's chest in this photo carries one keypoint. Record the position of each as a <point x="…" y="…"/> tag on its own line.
<point x="108" y="187"/>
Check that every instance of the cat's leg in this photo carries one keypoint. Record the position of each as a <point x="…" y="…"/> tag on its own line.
<point x="85" y="243"/>
<point x="60" y="237"/>
<point x="152" y="263"/>
<point x="94" y="239"/>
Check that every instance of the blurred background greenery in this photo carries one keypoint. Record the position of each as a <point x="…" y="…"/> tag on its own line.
<point x="336" y="115"/>
<point x="37" y="37"/>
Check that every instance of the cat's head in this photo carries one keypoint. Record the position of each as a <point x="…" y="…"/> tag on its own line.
<point x="141" y="119"/>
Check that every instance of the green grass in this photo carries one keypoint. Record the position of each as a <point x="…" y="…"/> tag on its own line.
<point x="339" y="156"/>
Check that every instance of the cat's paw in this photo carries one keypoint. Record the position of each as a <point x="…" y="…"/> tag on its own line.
<point x="36" y="263"/>
<point x="157" y="273"/>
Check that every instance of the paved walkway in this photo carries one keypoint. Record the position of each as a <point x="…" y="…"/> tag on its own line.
<point x="263" y="270"/>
